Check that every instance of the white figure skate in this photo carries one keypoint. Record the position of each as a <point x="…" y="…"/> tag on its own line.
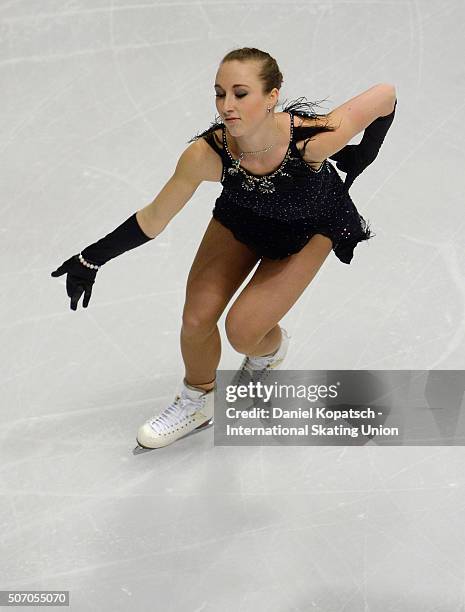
<point x="191" y="409"/>
<point x="257" y="368"/>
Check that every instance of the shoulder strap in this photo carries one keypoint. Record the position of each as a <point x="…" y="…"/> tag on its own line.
<point x="215" y="145"/>
<point x="209" y="136"/>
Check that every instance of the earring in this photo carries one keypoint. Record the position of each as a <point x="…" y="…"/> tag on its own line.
<point x="269" y="109"/>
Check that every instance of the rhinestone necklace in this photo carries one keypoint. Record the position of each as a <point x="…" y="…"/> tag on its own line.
<point x="250" y="182"/>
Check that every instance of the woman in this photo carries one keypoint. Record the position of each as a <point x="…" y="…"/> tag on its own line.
<point x="283" y="204"/>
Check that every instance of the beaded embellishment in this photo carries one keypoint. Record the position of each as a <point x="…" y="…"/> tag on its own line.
<point x="264" y="184"/>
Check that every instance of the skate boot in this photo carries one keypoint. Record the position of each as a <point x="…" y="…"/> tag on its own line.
<point x="257" y="368"/>
<point x="191" y="409"/>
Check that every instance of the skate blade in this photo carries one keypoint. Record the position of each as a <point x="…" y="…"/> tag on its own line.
<point x="139" y="449"/>
<point x="206" y="424"/>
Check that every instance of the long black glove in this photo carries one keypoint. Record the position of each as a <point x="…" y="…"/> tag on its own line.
<point x="80" y="278"/>
<point x="353" y="159"/>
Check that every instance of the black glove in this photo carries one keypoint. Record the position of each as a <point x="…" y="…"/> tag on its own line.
<point x="80" y="279"/>
<point x="353" y="159"/>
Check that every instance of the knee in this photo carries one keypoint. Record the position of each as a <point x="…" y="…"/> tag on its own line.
<point x="198" y="323"/>
<point x="241" y="333"/>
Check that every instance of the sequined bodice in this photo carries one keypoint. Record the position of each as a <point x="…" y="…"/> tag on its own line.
<point x="264" y="183"/>
<point x="292" y="173"/>
<point x="292" y="191"/>
<point x="277" y="213"/>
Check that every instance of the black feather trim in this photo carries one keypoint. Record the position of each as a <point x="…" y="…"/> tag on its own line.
<point x="306" y="109"/>
<point x="297" y="107"/>
<point x="213" y="126"/>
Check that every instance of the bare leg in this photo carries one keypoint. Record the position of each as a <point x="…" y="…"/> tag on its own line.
<point x="201" y="352"/>
<point x="268" y="344"/>
<point x="220" y="266"/>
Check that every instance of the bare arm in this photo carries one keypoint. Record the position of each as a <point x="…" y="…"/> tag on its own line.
<point x="178" y="190"/>
<point x="351" y="118"/>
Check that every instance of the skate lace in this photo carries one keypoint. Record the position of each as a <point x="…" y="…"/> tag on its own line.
<point x="258" y="368"/>
<point x="176" y="412"/>
<point x="255" y="367"/>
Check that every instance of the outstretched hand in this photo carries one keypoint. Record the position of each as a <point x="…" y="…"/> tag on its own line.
<point x="79" y="280"/>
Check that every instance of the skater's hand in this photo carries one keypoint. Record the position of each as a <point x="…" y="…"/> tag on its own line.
<point x="352" y="161"/>
<point x="79" y="280"/>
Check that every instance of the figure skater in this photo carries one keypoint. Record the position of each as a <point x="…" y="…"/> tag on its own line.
<point x="283" y="204"/>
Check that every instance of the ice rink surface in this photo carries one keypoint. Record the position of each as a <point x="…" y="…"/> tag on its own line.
<point x="99" y="99"/>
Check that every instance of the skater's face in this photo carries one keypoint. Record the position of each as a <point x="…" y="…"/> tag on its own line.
<point x="239" y="94"/>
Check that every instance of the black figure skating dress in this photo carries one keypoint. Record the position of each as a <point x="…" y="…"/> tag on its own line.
<point x="277" y="214"/>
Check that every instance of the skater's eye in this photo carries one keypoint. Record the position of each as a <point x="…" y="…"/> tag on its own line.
<point x="238" y="95"/>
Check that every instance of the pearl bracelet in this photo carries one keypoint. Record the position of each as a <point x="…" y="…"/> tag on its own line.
<point x="87" y="264"/>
